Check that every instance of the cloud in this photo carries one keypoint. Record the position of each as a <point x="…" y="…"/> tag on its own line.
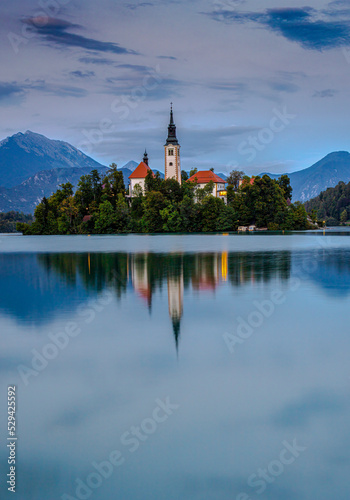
<point x="54" y="31"/>
<point x="10" y="90"/>
<point x="134" y="6"/>
<point x="96" y="60"/>
<point x="82" y="74"/>
<point x="172" y="58"/>
<point x="325" y="93"/>
<point x="53" y="89"/>
<point x="284" y="86"/>
<point x="311" y="29"/>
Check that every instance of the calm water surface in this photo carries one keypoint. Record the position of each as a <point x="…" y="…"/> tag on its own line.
<point x="246" y="336"/>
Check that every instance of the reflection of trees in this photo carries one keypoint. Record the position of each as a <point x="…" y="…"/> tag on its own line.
<point x="203" y="271"/>
<point x="258" y="267"/>
<point x="149" y="272"/>
<point x="96" y="271"/>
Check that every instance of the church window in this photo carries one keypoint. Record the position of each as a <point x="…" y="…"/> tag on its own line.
<point x="171" y="152"/>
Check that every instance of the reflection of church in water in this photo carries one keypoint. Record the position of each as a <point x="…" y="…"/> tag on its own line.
<point x="206" y="275"/>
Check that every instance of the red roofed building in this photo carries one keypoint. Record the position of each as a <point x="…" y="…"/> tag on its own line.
<point x="139" y="175"/>
<point x="203" y="177"/>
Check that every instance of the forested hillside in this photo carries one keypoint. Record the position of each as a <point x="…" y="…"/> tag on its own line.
<point x="332" y="205"/>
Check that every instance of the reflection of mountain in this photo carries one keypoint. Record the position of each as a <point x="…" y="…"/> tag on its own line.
<point x="36" y="287"/>
<point x="330" y="270"/>
<point x="33" y="293"/>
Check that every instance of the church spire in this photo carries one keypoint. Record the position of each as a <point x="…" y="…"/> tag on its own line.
<point x="145" y="157"/>
<point x="171" y="129"/>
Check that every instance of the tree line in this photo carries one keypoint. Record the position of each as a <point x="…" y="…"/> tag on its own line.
<point x="101" y="206"/>
<point x="9" y="220"/>
<point x="332" y="205"/>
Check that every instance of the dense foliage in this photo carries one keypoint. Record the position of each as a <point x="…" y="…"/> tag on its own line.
<point x="8" y="221"/>
<point x="332" y="205"/>
<point x="100" y="206"/>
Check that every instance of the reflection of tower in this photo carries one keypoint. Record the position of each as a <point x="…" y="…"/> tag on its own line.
<point x="140" y="277"/>
<point x="172" y="152"/>
<point x="175" y="301"/>
<point x="224" y="266"/>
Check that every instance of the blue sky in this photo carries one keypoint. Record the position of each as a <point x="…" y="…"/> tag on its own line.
<point x="256" y="85"/>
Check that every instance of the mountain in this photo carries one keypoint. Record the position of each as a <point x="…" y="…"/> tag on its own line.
<point x="29" y="193"/>
<point x="332" y="205"/>
<point x="327" y="172"/>
<point x="23" y="155"/>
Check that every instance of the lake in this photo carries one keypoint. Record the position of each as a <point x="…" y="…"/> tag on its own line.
<point x="180" y="367"/>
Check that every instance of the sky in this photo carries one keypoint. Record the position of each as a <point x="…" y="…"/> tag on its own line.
<point x="256" y="85"/>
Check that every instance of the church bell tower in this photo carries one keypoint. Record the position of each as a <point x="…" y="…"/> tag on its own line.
<point x="172" y="152"/>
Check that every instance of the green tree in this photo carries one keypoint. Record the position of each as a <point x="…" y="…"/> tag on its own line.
<point x="152" y="222"/>
<point x="114" y="184"/>
<point x="344" y="216"/>
<point x="184" y="176"/>
<point x="153" y="182"/>
<point x="202" y="193"/>
<point x="284" y="183"/>
<point x="172" y="221"/>
<point x="234" y="177"/>
<point x="211" y="210"/>
<point x="171" y="189"/>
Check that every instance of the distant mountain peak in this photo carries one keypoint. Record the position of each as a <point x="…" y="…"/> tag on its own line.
<point x="24" y="154"/>
<point x="325" y="173"/>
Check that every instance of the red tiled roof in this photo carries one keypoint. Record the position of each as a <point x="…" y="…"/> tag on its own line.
<point x="87" y="218"/>
<point x="205" y="176"/>
<point x="140" y="171"/>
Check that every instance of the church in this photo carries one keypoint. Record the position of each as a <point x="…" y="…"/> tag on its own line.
<point x="172" y="167"/>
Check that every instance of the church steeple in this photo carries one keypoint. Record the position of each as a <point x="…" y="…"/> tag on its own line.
<point x="172" y="130"/>
<point x="145" y="158"/>
<point x="172" y="151"/>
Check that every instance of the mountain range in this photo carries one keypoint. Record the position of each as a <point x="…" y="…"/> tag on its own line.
<point x="33" y="166"/>
<point x="327" y="172"/>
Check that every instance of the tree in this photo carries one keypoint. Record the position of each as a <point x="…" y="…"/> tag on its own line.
<point x="152" y="222"/>
<point x="172" y="222"/>
<point x="234" y="177"/>
<point x="106" y="218"/>
<point x="153" y="182"/>
<point x="299" y="216"/>
<point x="210" y="212"/>
<point x="114" y="184"/>
<point x="171" y="190"/>
<point x="202" y="193"/>
<point x="188" y="212"/>
<point x="184" y="176"/>
<point x="193" y="171"/>
<point x="344" y="216"/>
<point x="67" y="222"/>
<point x="284" y="183"/>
